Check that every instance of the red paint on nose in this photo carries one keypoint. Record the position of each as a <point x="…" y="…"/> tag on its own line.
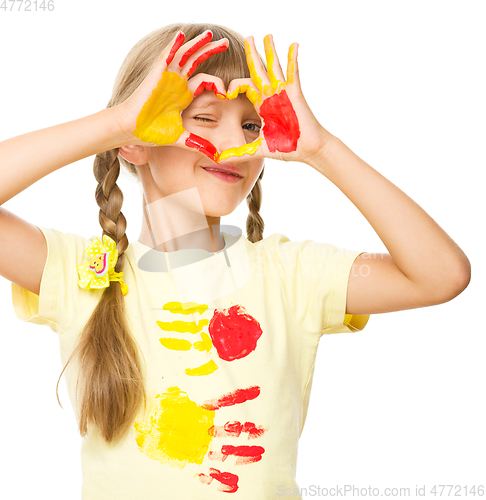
<point x="281" y="129"/>
<point x="234" y="332"/>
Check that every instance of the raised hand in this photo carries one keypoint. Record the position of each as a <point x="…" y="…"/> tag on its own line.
<point x="290" y="130"/>
<point x="166" y="92"/>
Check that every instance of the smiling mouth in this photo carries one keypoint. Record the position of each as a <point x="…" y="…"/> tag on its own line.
<point x="222" y="171"/>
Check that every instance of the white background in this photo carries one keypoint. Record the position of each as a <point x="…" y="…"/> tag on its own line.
<point x="403" y="84"/>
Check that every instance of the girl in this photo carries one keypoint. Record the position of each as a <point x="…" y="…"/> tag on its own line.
<point x="189" y="354"/>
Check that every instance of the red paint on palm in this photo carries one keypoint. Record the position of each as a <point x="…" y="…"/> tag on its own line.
<point x="281" y="126"/>
<point x="234" y="332"/>
<point x="177" y="45"/>
<point x="202" y="145"/>
<point x="233" y="398"/>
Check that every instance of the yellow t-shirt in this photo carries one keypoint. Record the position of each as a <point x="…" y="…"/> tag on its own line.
<point x="229" y="342"/>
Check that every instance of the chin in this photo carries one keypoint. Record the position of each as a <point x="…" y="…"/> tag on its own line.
<point x="217" y="208"/>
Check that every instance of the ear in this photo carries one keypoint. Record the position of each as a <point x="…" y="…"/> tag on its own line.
<point x="134" y="154"/>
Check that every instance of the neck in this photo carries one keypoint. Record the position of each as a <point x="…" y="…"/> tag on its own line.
<point x="192" y="230"/>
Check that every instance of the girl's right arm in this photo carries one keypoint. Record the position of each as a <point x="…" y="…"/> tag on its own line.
<point x="29" y="157"/>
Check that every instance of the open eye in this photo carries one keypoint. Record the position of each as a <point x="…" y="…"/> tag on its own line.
<point x="252" y="127"/>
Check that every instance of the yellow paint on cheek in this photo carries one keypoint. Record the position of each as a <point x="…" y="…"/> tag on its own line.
<point x="205" y="369"/>
<point x="175" y="344"/>
<point x="174" y="430"/>
<point x="160" y="119"/>
<point x="250" y="149"/>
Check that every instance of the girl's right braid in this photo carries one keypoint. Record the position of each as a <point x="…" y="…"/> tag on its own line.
<point x="110" y="200"/>
<point x="254" y="221"/>
<point x="111" y="369"/>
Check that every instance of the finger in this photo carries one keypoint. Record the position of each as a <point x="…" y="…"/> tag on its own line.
<point x="175" y="46"/>
<point x="202" y="82"/>
<point x="243" y="86"/>
<point x="274" y="69"/>
<point x="165" y="58"/>
<point x="292" y="65"/>
<point x="203" y="54"/>
<point x="245" y="151"/>
<point x="257" y="71"/>
<point x="188" y="140"/>
<point x="193" y="46"/>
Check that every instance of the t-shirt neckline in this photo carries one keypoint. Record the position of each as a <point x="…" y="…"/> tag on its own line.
<point x="150" y="259"/>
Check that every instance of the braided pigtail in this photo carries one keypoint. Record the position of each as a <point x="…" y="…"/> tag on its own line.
<point x="254" y="221"/>
<point x="110" y="372"/>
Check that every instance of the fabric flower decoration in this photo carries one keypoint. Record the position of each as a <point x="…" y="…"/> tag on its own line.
<point x="100" y="269"/>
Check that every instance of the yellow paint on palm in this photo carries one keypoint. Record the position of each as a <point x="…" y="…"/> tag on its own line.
<point x="250" y="149"/>
<point x="174" y="430"/>
<point x="175" y="344"/>
<point x="205" y="344"/>
<point x="205" y="369"/>
<point x="160" y="120"/>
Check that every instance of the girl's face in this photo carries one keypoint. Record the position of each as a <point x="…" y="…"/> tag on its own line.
<point x="226" y="124"/>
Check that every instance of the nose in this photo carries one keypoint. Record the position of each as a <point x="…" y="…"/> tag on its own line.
<point x="230" y="135"/>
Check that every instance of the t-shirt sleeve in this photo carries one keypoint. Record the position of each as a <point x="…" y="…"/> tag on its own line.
<point x="315" y="281"/>
<point x="60" y="301"/>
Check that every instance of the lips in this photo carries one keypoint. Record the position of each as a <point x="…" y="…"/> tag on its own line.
<point x="226" y="169"/>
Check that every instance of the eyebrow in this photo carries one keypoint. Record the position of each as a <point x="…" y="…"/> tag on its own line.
<point x="203" y="104"/>
<point x="206" y="100"/>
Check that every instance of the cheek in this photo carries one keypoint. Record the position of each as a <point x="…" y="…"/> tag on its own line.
<point x="173" y="166"/>
<point x="254" y="172"/>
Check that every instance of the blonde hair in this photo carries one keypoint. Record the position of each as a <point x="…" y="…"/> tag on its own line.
<point x="110" y="370"/>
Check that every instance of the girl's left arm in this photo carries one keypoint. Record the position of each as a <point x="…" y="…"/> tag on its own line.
<point x="424" y="265"/>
